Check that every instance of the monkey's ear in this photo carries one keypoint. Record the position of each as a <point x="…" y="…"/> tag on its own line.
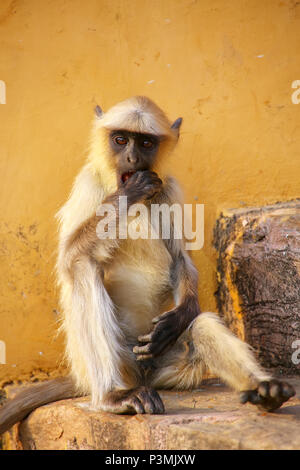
<point x="98" y="111"/>
<point x="176" y="124"/>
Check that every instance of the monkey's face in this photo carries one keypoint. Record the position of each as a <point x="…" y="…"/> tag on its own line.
<point x="132" y="152"/>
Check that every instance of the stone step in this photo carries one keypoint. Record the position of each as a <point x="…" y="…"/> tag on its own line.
<point x="208" y="418"/>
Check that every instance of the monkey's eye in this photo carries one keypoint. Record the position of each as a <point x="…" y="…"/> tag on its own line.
<point x="147" y="144"/>
<point x="120" y="140"/>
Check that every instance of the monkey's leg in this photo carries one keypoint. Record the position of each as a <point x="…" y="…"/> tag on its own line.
<point x="213" y="347"/>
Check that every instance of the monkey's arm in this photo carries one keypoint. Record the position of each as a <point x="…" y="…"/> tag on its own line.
<point x="85" y="239"/>
<point x="184" y="283"/>
<point x="170" y="325"/>
<point x="96" y="346"/>
<point x="95" y="343"/>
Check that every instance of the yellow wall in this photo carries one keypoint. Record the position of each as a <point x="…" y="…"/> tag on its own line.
<point x="226" y="66"/>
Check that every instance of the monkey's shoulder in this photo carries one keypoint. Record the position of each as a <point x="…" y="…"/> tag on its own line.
<point x="172" y="190"/>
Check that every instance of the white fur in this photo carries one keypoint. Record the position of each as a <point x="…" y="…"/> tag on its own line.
<point x="94" y="340"/>
<point x="137" y="114"/>
<point x="110" y="298"/>
<point x="86" y="195"/>
<point x="215" y="349"/>
<point x="99" y="313"/>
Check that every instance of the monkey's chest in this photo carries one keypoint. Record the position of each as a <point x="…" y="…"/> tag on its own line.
<point x="138" y="282"/>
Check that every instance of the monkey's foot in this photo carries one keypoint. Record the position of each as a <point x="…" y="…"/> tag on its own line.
<point x="268" y="396"/>
<point x="136" y="401"/>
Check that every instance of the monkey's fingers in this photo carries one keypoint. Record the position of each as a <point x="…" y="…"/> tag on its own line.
<point x="143" y="349"/>
<point x="164" y="335"/>
<point x="145" y="338"/>
<point x="154" y="348"/>
<point x="163" y="316"/>
<point x="144" y="357"/>
<point x="144" y="180"/>
<point x="151" y="174"/>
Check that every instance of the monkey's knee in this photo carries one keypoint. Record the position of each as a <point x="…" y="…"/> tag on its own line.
<point x="205" y="320"/>
<point x="181" y="368"/>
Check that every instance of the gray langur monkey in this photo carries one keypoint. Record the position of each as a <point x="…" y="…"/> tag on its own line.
<point x="123" y="340"/>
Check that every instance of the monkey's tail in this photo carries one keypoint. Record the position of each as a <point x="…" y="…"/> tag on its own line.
<point x="26" y="401"/>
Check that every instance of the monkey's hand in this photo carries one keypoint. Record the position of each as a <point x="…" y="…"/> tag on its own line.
<point x="141" y="185"/>
<point x="269" y="395"/>
<point x="136" y="401"/>
<point x="167" y="329"/>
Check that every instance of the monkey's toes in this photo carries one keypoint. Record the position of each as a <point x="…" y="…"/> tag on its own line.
<point x="145" y="400"/>
<point x="151" y="400"/>
<point x="269" y="395"/>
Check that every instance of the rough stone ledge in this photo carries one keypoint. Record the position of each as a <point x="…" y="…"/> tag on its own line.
<point x="207" y="418"/>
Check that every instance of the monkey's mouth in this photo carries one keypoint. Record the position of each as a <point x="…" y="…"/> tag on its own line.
<point x="127" y="175"/>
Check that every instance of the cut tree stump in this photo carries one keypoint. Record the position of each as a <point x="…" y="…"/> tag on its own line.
<point x="259" y="280"/>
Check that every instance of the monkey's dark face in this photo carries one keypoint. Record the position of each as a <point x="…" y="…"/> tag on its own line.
<point x="132" y="152"/>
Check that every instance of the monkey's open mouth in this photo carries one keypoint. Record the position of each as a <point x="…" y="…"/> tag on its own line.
<point x="127" y="175"/>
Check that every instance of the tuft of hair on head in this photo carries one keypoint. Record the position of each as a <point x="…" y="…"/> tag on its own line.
<point x="139" y="114"/>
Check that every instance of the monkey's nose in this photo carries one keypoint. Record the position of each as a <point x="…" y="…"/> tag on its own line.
<point x="132" y="159"/>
